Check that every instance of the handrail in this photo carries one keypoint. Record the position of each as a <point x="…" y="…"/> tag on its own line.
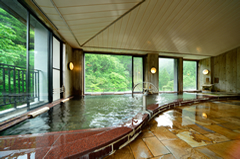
<point x="146" y="89"/>
<point x="13" y="85"/>
<point x="15" y="67"/>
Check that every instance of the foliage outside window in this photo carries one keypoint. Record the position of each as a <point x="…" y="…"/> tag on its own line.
<point x="189" y="75"/>
<point x="13" y="57"/>
<point x="108" y="73"/>
<point x="166" y="74"/>
<point x="12" y="52"/>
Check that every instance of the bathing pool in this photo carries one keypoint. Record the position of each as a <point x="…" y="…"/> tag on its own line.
<point x="91" y="112"/>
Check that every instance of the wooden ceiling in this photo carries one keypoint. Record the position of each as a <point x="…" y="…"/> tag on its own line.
<point x="192" y="29"/>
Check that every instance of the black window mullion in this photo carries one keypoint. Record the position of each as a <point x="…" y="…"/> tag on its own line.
<point x="28" y="61"/>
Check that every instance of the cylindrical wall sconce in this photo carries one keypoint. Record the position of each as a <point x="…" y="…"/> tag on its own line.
<point x="70" y="66"/>
<point x="153" y="70"/>
<point x="205" y="71"/>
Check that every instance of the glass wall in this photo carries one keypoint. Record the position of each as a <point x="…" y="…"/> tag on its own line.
<point x="189" y="75"/>
<point x="38" y="62"/>
<point x="108" y="73"/>
<point x="138" y="73"/>
<point x="22" y="83"/>
<point x="56" y="69"/>
<point x="166" y="75"/>
<point x="13" y="53"/>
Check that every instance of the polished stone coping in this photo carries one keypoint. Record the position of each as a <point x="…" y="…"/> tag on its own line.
<point x="87" y="143"/>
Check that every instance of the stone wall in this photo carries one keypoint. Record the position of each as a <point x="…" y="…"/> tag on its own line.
<point x="224" y="71"/>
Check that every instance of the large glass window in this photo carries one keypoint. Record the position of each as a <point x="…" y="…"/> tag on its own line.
<point x="14" y="77"/>
<point x="13" y="33"/>
<point x="56" y="69"/>
<point x="38" y="62"/>
<point x="108" y="73"/>
<point x="138" y="70"/>
<point x="166" y="75"/>
<point x="189" y="75"/>
<point x="138" y="74"/>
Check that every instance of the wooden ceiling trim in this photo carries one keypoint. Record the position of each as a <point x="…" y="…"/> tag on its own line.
<point x="215" y="22"/>
<point x="151" y="9"/>
<point x="151" y="28"/>
<point x="140" y="16"/>
<point x="123" y="29"/>
<point x="159" y="41"/>
<point x="115" y="21"/>
<point x="98" y="4"/>
<point x="87" y="9"/>
<point x="177" y="19"/>
<point x="169" y="18"/>
<point x="133" y="22"/>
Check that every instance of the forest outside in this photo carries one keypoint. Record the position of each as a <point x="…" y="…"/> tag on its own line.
<point x="166" y="75"/>
<point x="13" y="32"/>
<point x="108" y="73"/>
<point x="189" y="75"/>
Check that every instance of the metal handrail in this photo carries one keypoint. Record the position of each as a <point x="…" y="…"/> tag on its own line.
<point x="13" y="85"/>
<point x="113" y="88"/>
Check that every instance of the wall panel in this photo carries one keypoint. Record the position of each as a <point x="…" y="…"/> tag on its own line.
<point x="225" y="68"/>
<point x="238" y="70"/>
<point x="231" y="71"/>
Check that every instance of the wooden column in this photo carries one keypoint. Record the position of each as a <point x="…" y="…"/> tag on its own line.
<point x="78" y="85"/>
<point x="151" y="60"/>
<point x="180" y="75"/>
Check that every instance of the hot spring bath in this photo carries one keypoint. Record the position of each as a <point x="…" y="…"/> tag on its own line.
<point x="91" y="112"/>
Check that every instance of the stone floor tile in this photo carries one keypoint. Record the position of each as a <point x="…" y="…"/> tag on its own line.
<point x="229" y="149"/>
<point x="147" y="134"/>
<point x="194" y="138"/>
<point x="181" y="149"/>
<point x="219" y="120"/>
<point x="208" y="152"/>
<point x="231" y="126"/>
<point x="199" y="129"/>
<point x="155" y="146"/>
<point x="163" y="133"/>
<point x="168" y="156"/>
<point x="237" y="131"/>
<point x="224" y="131"/>
<point x="118" y="155"/>
<point x="215" y="137"/>
<point x="139" y="149"/>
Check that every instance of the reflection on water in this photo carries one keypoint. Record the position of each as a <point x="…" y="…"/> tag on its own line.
<point x="91" y="112"/>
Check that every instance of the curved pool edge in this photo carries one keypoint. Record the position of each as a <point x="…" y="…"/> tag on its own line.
<point x="90" y="143"/>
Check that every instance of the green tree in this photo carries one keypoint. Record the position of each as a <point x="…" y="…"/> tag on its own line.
<point x="107" y="73"/>
<point x="163" y="78"/>
<point x="13" y="40"/>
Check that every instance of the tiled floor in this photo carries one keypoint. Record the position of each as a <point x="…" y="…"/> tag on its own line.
<point x="205" y="130"/>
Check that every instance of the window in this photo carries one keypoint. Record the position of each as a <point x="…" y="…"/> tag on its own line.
<point x="167" y="74"/>
<point x="22" y="84"/>
<point x="189" y="75"/>
<point x="12" y="55"/>
<point x="108" y="73"/>
<point x="138" y="70"/>
<point x="38" y="62"/>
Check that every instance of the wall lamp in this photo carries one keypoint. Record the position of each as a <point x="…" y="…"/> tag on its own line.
<point x="70" y="66"/>
<point x="153" y="70"/>
<point x="205" y="71"/>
